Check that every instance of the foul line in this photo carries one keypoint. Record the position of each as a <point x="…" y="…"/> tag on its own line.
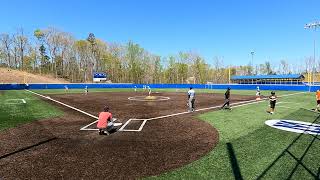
<point x="76" y="109"/>
<point x="79" y="110"/>
<point x="238" y="104"/>
<point x="242" y="103"/>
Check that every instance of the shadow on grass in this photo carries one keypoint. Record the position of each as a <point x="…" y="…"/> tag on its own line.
<point x="299" y="160"/>
<point x="234" y="162"/>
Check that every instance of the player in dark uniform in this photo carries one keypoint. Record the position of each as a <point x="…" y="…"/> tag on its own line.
<point x="226" y="100"/>
<point x="191" y="99"/>
<point x="273" y="100"/>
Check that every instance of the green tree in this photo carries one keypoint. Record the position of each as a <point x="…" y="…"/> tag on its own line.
<point x="134" y="55"/>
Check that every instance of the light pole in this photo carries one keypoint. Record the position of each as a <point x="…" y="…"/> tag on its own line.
<point x="252" y="53"/>
<point x="314" y="26"/>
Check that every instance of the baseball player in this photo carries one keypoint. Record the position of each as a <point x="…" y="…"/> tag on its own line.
<point x="273" y="100"/>
<point x="66" y="88"/>
<point x="318" y="100"/>
<point x="226" y="100"/>
<point x="191" y="99"/>
<point x="86" y="90"/>
<point x="105" y="122"/>
<point x="258" y="93"/>
<point x="149" y="90"/>
<point x="135" y="88"/>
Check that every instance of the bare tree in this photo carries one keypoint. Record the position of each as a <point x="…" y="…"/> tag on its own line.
<point x="20" y="43"/>
<point x="219" y="74"/>
<point x="284" y="67"/>
<point x="6" y="45"/>
<point x="58" y="53"/>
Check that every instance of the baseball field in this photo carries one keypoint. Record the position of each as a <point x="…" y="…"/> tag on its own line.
<point x="51" y="134"/>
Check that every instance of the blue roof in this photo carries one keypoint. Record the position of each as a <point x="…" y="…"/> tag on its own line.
<point x="287" y="76"/>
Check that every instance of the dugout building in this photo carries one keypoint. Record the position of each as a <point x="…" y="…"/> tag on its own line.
<point x="293" y="79"/>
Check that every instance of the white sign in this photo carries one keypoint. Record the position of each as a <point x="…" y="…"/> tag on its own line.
<point x="99" y="79"/>
<point x="294" y="126"/>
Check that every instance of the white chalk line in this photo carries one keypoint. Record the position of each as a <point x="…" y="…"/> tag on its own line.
<point x="84" y="128"/>
<point x="76" y="109"/>
<point x="134" y="130"/>
<point x="136" y="98"/>
<point x="121" y="129"/>
<point x="286" y="107"/>
<point x="237" y="104"/>
<point x="242" y="103"/>
<point x="291" y="103"/>
<point x="15" y="101"/>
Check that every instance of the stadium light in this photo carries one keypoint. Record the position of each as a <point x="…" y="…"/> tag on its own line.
<point x="314" y="26"/>
<point x="252" y="53"/>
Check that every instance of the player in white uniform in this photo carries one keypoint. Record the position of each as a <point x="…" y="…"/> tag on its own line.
<point x="86" y="90"/>
<point x="135" y="88"/>
<point x="258" y="93"/>
<point x="191" y="99"/>
<point x="149" y="90"/>
<point x="66" y="89"/>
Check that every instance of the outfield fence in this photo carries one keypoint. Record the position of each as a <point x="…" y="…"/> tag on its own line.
<point x="303" y="87"/>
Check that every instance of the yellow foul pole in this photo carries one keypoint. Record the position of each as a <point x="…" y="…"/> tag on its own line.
<point x="229" y="74"/>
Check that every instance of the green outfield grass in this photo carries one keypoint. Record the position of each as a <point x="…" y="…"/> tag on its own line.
<point x="256" y="145"/>
<point x="14" y="112"/>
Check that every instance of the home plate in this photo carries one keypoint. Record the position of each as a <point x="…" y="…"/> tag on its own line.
<point x="114" y="123"/>
<point x="117" y="124"/>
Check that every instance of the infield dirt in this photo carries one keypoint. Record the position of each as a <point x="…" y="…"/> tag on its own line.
<point x="56" y="148"/>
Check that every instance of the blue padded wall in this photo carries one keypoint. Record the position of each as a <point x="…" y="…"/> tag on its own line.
<point x="163" y="86"/>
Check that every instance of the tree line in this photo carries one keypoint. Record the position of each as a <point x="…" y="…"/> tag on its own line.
<point x="58" y="53"/>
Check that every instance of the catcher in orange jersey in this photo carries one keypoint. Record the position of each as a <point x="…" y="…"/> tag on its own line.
<point x="105" y="122"/>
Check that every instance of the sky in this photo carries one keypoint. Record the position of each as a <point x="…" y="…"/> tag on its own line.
<point x="228" y="29"/>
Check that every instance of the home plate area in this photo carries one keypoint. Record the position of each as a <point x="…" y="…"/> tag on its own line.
<point x="132" y="116"/>
<point x="133" y="125"/>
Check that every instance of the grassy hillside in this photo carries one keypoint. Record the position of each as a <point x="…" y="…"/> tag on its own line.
<point x="15" y="76"/>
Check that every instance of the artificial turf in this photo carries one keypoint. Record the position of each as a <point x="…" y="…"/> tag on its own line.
<point x="14" y="112"/>
<point x="255" y="146"/>
<point x="247" y="147"/>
